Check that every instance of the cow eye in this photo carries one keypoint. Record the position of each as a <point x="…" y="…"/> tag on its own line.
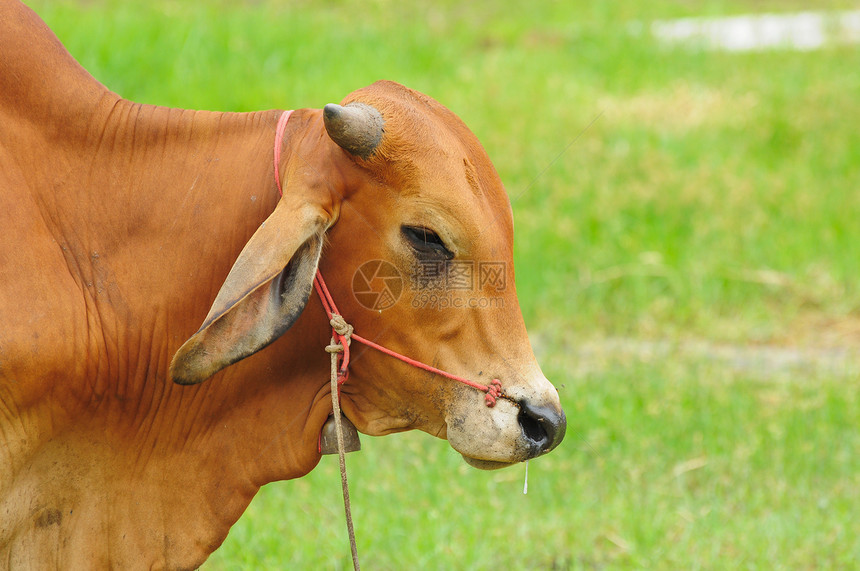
<point x="426" y="242"/>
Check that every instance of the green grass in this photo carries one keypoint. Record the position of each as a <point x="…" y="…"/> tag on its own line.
<point x="668" y="465"/>
<point x="658" y="194"/>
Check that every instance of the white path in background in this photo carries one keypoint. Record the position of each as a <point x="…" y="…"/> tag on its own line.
<point x="799" y="31"/>
<point x="760" y="361"/>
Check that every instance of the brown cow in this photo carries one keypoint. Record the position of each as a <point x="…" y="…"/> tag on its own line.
<point x="120" y="225"/>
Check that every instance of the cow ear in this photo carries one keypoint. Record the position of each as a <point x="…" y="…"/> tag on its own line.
<point x="263" y="295"/>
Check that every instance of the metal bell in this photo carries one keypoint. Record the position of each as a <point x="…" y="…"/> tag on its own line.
<point x="328" y="436"/>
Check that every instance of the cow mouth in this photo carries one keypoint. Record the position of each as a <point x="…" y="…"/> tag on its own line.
<point x="486" y="464"/>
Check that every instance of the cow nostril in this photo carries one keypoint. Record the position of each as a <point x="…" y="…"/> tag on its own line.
<point x="543" y="427"/>
<point x="532" y="427"/>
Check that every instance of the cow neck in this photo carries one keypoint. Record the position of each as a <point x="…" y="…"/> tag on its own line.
<point x="343" y="333"/>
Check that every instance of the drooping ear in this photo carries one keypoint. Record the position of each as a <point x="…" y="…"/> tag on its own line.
<point x="263" y="295"/>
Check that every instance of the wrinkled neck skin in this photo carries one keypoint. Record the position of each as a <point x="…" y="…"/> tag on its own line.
<point x="132" y="216"/>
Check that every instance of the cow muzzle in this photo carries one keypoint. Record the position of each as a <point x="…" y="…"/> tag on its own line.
<point x="526" y="422"/>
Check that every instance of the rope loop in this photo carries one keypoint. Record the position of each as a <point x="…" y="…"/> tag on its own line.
<point x="494" y="391"/>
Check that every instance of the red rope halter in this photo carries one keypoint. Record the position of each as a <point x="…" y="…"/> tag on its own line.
<point x="342" y="332"/>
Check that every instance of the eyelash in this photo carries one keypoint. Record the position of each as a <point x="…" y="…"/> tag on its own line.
<point x="426" y="242"/>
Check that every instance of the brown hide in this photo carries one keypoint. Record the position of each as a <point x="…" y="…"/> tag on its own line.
<point x="120" y="229"/>
<point x="120" y="222"/>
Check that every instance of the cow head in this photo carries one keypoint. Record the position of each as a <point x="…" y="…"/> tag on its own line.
<point x="418" y="236"/>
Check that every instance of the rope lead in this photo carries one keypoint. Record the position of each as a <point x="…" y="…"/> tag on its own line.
<point x="338" y="426"/>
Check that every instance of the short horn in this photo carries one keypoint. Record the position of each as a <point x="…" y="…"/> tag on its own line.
<point x="356" y="127"/>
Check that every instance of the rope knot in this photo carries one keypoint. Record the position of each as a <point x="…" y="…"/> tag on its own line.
<point x="341" y="327"/>
<point x="494" y="390"/>
<point x="341" y="339"/>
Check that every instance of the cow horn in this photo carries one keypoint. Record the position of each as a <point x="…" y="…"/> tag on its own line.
<point x="356" y="127"/>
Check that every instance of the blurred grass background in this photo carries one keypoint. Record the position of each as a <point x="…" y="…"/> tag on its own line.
<point x="679" y="214"/>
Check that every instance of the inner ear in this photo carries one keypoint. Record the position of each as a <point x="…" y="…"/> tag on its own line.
<point x="291" y="288"/>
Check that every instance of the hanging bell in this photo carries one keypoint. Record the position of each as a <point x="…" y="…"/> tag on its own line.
<point x="328" y="436"/>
